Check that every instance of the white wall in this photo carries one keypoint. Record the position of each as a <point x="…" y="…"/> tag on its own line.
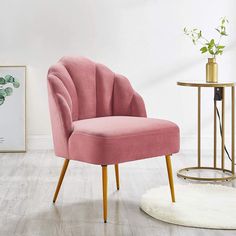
<point x="141" y="39"/>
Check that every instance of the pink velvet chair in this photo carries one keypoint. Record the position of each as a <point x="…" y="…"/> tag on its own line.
<point x="98" y="118"/>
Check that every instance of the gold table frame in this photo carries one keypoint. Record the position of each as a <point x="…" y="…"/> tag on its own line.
<point x="231" y="173"/>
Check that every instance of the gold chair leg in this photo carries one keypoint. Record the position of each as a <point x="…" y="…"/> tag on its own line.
<point x="117" y="176"/>
<point x="104" y="187"/>
<point x="171" y="182"/>
<point x="63" y="171"/>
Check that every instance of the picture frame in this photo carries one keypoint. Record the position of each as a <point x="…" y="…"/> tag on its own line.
<point x="13" y="108"/>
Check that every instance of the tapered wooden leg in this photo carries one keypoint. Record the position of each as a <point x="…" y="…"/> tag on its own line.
<point x="104" y="187"/>
<point x="171" y="182"/>
<point x="63" y="171"/>
<point x="117" y="176"/>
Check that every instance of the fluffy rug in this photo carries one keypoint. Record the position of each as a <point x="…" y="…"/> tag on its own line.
<point x="197" y="205"/>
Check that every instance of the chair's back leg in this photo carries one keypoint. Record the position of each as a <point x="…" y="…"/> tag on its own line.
<point x="63" y="171"/>
<point x="170" y="175"/>
<point x="117" y="176"/>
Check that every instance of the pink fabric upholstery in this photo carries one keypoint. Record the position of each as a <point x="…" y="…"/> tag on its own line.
<point x="96" y="116"/>
<point x="116" y="139"/>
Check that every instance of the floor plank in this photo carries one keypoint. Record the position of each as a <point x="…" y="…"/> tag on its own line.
<point x="28" y="181"/>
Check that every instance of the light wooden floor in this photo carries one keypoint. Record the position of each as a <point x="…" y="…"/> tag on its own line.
<point x="28" y="181"/>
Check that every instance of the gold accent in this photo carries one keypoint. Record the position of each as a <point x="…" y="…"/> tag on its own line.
<point x="19" y="151"/>
<point x="223" y="130"/>
<point x="117" y="176"/>
<point x="233" y="129"/>
<point x="199" y="128"/>
<point x="204" y="84"/>
<point x="188" y="169"/>
<point x="211" y="71"/>
<point x="63" y="171"/>
<point x="104" y="187"/>
<point x="170" y="176"/>
<point x="232" y="171"/>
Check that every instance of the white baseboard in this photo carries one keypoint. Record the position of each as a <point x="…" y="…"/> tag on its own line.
<point x="44" y="142"/>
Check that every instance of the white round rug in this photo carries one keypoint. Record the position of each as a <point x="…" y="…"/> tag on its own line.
<point x="197" y="205"/>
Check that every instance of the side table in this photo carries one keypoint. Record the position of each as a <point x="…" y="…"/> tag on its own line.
<point x="229" y="173"/>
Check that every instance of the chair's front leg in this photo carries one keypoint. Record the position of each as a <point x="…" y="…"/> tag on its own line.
<point x="63" y="171"/>
<point x="170" y="175"/>
<point x="104" y="187"/>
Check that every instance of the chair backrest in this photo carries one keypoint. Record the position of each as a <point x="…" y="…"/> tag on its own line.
<point x="81" y="89"/>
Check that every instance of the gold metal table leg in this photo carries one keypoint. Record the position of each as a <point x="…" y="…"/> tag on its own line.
<point x="223" y="130"/>
<point x="233" y="127"/>
<point x="215" y="135"/>
<point x="199" y="127"/>
<point x="228" y="173"/>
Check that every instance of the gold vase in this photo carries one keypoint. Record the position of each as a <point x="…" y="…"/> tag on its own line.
<point x="211" y="71"/>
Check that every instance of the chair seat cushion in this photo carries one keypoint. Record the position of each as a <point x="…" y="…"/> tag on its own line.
<point x="116" y="139"/>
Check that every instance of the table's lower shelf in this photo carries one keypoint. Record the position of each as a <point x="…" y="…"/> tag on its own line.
<point x="206" y="174"/>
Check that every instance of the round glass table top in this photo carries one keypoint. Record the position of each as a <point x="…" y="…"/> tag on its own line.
<point x="201" y="83"/>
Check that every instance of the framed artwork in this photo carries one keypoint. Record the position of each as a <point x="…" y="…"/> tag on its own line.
<point x="12" y="109"/>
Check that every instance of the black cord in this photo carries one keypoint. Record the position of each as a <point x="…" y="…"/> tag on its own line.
<point x="225" y="148"/>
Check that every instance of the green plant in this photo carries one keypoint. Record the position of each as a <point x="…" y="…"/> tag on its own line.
<point x="212" y="46"/>
<point x="7" y="91"/>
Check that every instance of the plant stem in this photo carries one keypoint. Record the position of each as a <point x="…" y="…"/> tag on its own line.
<point x="216" y="45"/>
<point x="219" y="40"/>
<point x="205" y="39"/>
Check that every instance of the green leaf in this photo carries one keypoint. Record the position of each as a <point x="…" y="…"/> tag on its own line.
<point x="220" y="47"/>
<point x="219" y="52"/>
<point x="211" y="52"/>
<point x="9" y="79"/>
<point x="2" y="80"/>
<point x="204" y="49"/>
<point x="199" y="34"/>
<point x="185" y="30"/>
<point x="8" y="91"/>
<point x="3" y="93"/>
<point x="210" y="46"/>
<point x="224" y="33"/>
<point x="2" y="99"/>
<point x="16" y="84"/>
<point x="212" y="41"/>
